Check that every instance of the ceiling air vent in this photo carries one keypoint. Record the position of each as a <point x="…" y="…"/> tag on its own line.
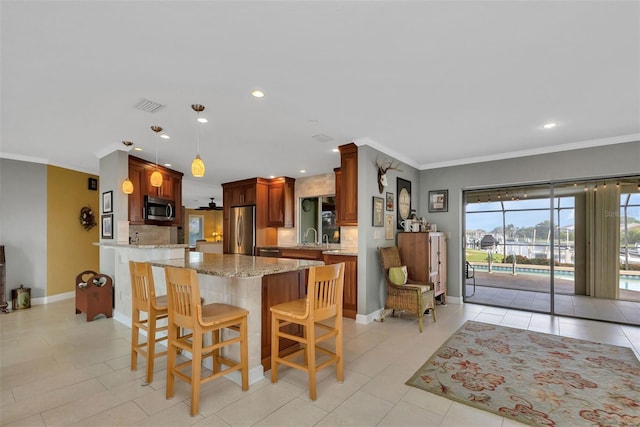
<point x="321" y="137"/>
<point x="148" y="106"/>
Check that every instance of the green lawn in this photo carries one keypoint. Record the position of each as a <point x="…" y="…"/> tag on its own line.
<point x="474" y="255"/>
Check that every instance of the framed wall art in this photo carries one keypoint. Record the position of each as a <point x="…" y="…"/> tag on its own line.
<point x="388" y="226"/>
<point x="390" y="202"/>
<point x="439" y="201"/>
<point x="107" y="202"/>
<point x="404" y="201"/>
<point x="107" y="226"/>
<point x="378" y="212"/>
<point x="92" y="184"/>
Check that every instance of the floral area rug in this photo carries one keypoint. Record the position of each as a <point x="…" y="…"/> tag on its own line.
<point x="534" y="378"/>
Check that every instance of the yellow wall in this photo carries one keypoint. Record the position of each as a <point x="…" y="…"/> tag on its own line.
<point x="70" y="248"/>
<point x="212" y="222"/>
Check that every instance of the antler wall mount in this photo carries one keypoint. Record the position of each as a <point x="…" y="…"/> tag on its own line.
<point x="383" y="167"/>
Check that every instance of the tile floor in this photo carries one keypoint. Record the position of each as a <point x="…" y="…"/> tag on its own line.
<point x="568" y="305"/>
<point x="58" y="369"/>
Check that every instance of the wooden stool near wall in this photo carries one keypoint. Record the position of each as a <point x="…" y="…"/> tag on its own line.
<point x="144" y="299"/>
<point x="323" y="302"/>
<point x="186" y="313"/>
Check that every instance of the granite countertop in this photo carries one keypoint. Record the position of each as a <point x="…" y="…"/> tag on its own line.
<point x="333" y="249"/>
<point x="232" y="265"/>
<point x="144" y="246"/>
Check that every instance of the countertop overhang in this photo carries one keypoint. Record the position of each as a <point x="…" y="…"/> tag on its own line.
<point x="233" y="265"/>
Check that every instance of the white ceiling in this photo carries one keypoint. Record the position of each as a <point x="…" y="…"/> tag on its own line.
<point x="433" y="83"/>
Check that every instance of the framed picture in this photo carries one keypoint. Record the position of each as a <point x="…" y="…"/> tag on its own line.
<point x="389" y="204"/>
<point x="107" y="226"/>
<point x="107" y="202"/>
<point x="93" y="184"/>
<point x="378" y="212"/>
<point x="388" y="226"/>
<point x="403" y="206"/>
<point x="439" y="201"/>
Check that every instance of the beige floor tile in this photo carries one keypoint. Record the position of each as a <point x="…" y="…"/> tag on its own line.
<point x="389" y="384"/>
<point x="176" y="415"/>
<point x="331" y="393"/>
<point x="123" y="415"/>
<point x="221" y="393"/>
<point x="408" y="415"/>
<point x="433" y="403"/>
<point x="296" y="413"/>
<point x="361" y="409"/>
<point x="462" y="415"/>
<point x="261" y="403"/>
<point x="32" y="421"/>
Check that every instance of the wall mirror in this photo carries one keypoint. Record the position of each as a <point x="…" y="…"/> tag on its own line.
<point x="318" y="213"/>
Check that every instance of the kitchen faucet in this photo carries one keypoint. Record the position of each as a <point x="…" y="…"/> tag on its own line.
<point x="306" y="233"/>
<point x="325" y="237"/>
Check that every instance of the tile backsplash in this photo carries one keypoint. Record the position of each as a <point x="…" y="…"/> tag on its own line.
<point x="153" y="234"/>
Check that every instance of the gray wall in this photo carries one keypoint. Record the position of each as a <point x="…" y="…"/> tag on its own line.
<point x="596" y="162"/>
<point x="23" y="225"/>
<point x="371" y="287"/>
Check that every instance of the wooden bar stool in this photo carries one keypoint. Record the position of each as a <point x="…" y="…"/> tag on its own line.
<point x="144" y="299"/>
<point x="186" y="312"/>
<point x="323" y="302"/>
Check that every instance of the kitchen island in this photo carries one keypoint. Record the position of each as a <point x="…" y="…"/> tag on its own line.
<point x="253" y="283"/>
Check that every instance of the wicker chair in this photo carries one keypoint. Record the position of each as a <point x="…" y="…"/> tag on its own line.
<point x="415" y="297"/>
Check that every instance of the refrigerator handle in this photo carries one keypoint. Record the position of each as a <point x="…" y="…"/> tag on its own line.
<point x="239" y="233"/>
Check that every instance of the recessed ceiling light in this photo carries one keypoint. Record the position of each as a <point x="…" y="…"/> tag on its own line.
<point x="165" y="136"/>
<point x="303" y="171"/>
<point x="202" y="120"/>
<point x="168" y="165"/>
<point x="272" y="176"/>
<point x="137" y="148"/>
<point x="335" y="150"/>
<point x="257" y="93"/>
<point x="550" y="125"/>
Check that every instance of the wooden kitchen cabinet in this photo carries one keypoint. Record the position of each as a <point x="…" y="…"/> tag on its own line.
<point x="347" y="186"/>
<point x="281" y="202"/>
<point x="140" y="174"/>
<point x="350" y="291"/>
<point x="312" y="254"/>
<point x="425" y="255"/>
<point x="276" y="289"/>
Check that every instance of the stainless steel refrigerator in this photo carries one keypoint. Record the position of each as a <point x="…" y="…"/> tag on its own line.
<point x="242" y="231"/>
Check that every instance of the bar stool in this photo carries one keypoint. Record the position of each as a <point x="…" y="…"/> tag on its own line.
<point x="323" y="302"/>
<point x="144" y="299"/>
<point x="186" y="312"/>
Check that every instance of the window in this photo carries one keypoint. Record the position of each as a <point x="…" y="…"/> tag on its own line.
<point x="318" y="213"/>
<point x="196" y="229"/>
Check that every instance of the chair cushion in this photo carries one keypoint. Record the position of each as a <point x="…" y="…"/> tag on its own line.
<point x="398" y="275"/>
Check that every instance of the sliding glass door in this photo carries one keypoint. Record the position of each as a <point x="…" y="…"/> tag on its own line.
<point x="569" y="248"/>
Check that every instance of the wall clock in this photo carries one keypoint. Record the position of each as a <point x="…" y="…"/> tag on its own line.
<point x="404" y="201"/>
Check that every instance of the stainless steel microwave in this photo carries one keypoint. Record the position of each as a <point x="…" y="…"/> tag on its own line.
<point x="158" y="209"/>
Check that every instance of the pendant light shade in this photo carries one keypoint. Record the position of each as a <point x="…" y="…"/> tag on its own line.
<point x="127" y="186"/>
<point x="197" y="166"/>
<point x="156" y="176"/>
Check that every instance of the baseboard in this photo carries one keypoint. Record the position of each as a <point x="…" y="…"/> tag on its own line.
<point x="365" y="319"/>
<point x="53" y="298"/>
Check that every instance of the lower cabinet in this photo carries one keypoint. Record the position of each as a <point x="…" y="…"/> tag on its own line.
<point x="276" y="289"/>
<point x="350" y="292"/>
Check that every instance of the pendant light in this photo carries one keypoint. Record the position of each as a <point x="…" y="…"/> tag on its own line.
<point x="156" y="176"/>
<point x="127" y="186"/>
<point x="197" y="166"/>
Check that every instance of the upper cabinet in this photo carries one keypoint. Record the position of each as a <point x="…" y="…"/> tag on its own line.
<point x="347" y="186"/>
<point x="140" y="174"/>
<point x="281" y="202"/>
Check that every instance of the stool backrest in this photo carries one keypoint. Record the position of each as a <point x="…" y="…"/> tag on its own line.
<point x="183" y="295"/>
<point x="324" y="291"/>
<point x="143" y="290"/>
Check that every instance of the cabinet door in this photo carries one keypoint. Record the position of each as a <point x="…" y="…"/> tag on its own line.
<point x="136" y="199"/>
<point x="350" y="291"/>
<point x="414" y="253"/>
<point x="348" y="204"/>
<point x="275" y="209"/>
